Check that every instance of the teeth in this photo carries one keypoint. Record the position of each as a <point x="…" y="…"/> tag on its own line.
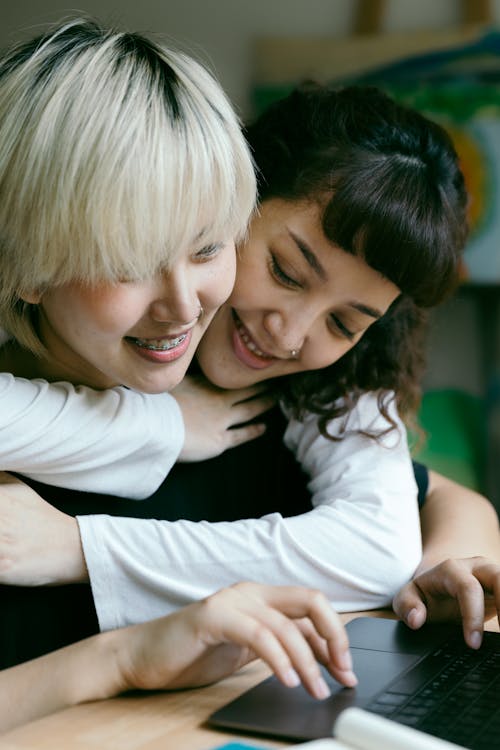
<point x="249" y="343"/>
<point x="160" y="345"/>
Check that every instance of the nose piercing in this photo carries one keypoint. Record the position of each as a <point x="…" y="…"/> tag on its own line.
<point x="294" y="353"/>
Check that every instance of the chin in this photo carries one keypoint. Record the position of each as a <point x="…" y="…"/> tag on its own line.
<point x="160" y="385"/>
<point x="213" y="372"/>
<point x="225" y="378"/>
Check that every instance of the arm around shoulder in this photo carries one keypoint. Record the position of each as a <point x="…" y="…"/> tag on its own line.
<point x="125" y="444"/>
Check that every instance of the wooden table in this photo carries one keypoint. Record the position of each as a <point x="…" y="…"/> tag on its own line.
<point x="159" y="721"/>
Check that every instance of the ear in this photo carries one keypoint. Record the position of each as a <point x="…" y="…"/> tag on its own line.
<point x="32" y="297"/>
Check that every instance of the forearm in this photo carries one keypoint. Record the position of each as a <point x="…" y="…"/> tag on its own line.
<point x="359" y="544"/>
<point x="39" y="544"/>
<point x="125" y="444"/>
<point x="85" y="671"/>
<point x="457" y="523"/>
<point x="141" y="569"/>
<point x="196" y="646"/>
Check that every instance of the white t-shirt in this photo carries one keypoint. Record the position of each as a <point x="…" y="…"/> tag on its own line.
<point x="117" y="442"/>
<point x="359" y="544"/>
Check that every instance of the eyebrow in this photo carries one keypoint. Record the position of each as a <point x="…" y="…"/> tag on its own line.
<point x="372" y="312"/>
<point x="314" y="263"/>
<point x="309" y="256"/>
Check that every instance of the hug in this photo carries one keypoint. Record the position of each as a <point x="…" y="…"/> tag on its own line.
<point x="165" y="282"/>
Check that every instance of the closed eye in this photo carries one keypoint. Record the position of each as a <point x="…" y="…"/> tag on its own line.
<point x="281" y="276"/>
<point x="207" y="252"/>
<point x="342" y="328"/>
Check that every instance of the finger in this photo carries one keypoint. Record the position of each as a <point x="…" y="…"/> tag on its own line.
<point x="409" y="606"/>
<point x="462" y="582"/>
<point x="318" y="645"/>
<point x="470" y="597"/>
<point x="244" y="412"/>
<point x="276" y="640"/>
<point x="274" y="631"/>
<point x="275" y="634"/>
<point x="301" y="653"/>
<point x="239" y="435"/>
<point x="298" y="602"/>
<point x="488" y="578"/>
<point x="321" y="653"/>
<point x="245" y="394"/>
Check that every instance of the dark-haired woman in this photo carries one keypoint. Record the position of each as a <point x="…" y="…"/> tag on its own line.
<point x="361" y="223"/>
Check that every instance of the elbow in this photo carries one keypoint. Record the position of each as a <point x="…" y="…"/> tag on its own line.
<point x="398" y="568"/>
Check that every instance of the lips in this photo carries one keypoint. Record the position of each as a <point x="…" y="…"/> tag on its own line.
<point x="247" y="350"/>
<point x="158" y="345"/>
<point x="161" y="350"/>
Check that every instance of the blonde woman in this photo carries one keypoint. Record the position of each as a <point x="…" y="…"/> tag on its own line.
<point x="318" y="302"/>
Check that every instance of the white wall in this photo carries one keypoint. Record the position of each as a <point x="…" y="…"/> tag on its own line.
<point x="222" y="30"/>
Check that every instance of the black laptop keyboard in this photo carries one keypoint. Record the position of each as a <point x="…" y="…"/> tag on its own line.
<point x="452" y="693"/>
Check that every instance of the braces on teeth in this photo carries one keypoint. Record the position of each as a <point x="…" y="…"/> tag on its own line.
<point x="164" y="347"/>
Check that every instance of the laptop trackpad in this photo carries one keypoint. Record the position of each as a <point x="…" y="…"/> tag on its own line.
<point x="273" y="709"/>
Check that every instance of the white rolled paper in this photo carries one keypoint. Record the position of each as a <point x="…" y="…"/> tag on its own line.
<point x="362" y="730"/>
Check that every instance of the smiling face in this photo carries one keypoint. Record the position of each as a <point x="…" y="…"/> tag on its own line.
<point x="139" y="334"/>
<point x="295" y="290"/>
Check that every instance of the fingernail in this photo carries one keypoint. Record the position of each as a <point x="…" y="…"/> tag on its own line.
<point x="350" y="679"/>
<point x="345" y="661"/>
<point x="321" y="689"/>
<point x="410" y="617"/>
<point x="475" y="639"/>
<point x="291" y="678"/>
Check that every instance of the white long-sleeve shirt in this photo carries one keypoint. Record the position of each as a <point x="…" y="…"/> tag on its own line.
<point x="359" y="544"/>
<point x="117" y="442"/>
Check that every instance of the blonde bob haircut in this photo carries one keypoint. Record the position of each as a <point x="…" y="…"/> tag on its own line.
<point x="116" y="155"/>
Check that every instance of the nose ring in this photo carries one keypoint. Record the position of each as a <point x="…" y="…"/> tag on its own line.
<point x="294" y="353"/>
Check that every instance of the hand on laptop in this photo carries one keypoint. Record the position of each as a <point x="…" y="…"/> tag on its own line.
<point x="467" y="589"/>
<point x="291" y="628"/>
<point x="39" y="545"/>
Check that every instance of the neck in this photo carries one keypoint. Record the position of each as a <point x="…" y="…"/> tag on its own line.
<point x="20" y="362"/>
<point x="24" y="364"/>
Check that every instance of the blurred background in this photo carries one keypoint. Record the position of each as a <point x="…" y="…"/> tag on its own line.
<point x="223" y="32"/>
<point x="259" y="49"/>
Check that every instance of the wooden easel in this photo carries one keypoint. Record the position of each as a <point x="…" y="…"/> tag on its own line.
<point x="282" y="60"/>
<point x="369" y="15"/>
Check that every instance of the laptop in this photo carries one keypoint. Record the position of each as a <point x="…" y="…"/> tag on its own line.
<point x="426" y="679"/>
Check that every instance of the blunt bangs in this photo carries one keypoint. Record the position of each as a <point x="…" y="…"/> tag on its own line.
<point x="387" y="177"/>
<point x="399" y="222"/>
<point x="116" y="155"/>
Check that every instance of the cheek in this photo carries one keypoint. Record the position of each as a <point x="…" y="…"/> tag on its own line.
<point x="105" y="313"/>
<point x="251" y="288"/>
<point x="218" y="285"/>
<point x="323" y="355"/>
<point x="213" y="348"/>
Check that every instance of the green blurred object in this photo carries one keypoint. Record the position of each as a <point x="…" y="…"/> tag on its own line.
<point x="455" y="445"/>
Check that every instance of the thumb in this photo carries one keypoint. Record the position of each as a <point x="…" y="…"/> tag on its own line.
<point x="409" y="606"/>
